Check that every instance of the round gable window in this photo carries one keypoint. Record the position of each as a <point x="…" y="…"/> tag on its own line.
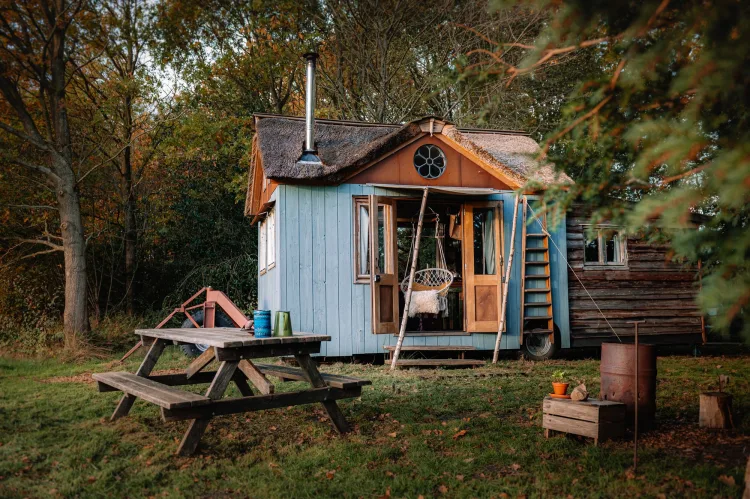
<point x="430" y="162"/>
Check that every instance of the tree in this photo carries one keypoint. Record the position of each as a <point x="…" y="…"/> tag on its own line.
<point x="35" y="67"/>
<point x="657" y="139"/>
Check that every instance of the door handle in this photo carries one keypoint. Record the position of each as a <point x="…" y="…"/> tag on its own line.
<point x="377" y="277"/>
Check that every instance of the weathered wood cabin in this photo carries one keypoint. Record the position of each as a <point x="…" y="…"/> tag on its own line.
<point x="336" y="204"/>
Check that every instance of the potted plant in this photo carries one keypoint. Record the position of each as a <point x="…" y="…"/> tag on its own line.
<point x="559" y="387"/>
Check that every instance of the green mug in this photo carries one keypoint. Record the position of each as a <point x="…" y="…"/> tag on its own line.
<point x="282" y="325"/>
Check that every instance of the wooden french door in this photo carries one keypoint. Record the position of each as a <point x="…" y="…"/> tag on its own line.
<point x="483" y="264"/>
<point x="383" y="265"/>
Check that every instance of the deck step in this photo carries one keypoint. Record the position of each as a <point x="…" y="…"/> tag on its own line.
<point x="425" y="348"/>
<point x="333" y="380"/>
<point x="439" y="362"/>
<point x="150" y="391"/>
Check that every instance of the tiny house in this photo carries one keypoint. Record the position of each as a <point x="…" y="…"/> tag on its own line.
<point x="336" y="204"/>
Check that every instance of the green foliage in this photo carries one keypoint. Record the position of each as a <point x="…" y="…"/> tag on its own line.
<point x="559" y="376"/>
<point x="657" y="138"/>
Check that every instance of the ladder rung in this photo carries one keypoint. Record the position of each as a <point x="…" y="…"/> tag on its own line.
<point x="538" y="304"/>
<point x="536" y="235"/>
<point x="536" y="276"/>
<point x="537" y="290"/>
<point x="537" y="262"/>
<point x="535" y="249"/>
<point x="537" y="317"/>
<point x="538" y="331"/>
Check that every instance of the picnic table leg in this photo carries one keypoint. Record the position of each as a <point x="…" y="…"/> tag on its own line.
<point x="310" y="371"/>
<point x="200" y="362"/>
<point x="257" y="378"/>
<point x="242" y="386"/>
<point x="197" y="427"/>
<point x="127" y="400"/>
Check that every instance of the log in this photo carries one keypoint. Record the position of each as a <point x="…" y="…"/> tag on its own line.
<point x="715" y="410"/>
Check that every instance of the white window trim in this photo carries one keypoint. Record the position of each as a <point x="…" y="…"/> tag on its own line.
<point x="602" y="263"/>
<point x="271" y="239"/>
<point x="262" y="247"/>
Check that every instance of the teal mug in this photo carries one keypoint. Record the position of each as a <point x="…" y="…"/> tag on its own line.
<point x="282" y="324"/>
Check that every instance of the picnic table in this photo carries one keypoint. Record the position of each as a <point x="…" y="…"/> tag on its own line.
<point x="234" y="349"/>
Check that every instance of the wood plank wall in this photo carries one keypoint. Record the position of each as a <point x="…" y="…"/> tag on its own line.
<point x="652" y="288"/>
<point x="313" y="274"/>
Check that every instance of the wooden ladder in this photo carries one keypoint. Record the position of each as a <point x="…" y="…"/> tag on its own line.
<point x="536" y="283"/>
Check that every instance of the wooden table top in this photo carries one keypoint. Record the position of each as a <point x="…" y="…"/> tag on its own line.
<point x="225" y="337"/>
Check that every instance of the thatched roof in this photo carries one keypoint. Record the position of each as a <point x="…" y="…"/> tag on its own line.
<point x="344" y="147"/>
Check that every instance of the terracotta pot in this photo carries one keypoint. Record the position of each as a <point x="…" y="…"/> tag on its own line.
<point x="560" y="388"/>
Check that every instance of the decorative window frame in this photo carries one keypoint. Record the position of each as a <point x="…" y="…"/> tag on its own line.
<point x="602" y="263"/>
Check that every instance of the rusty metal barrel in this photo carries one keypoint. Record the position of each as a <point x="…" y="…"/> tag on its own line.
<point x="617" y="372"/>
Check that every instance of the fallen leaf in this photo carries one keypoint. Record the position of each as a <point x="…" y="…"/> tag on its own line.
<point x="460" y="478"/>
<point x="389" y="473"/>
<point x="272" y="428"/>
<point x="515" y="466"/>
<point x="330" y="474"/>
<point x="459" y="434"/>
<point x="443" y="489"/>
<point x="468" y="459"/>
<point x="393" y="435"/>
<point x="727" y="480"/>
<point x="503" y="495"/>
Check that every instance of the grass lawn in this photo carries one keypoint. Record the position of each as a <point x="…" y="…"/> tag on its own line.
<point x="457" y="433"/>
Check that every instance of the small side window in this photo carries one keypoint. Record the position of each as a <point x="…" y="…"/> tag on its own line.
<point x="604" y="246"/>
<point x="262" y="246"/>
<point x="271" y="239"/>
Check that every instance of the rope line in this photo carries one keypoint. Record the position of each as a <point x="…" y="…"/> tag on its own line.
<point x="550" y="238"/>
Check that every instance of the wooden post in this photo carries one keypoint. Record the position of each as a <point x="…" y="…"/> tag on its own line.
<point x="715" y="410"/>
<point x="412" y="272"/>
<point x="637" y="402"/>
<point x="501" y="322"/>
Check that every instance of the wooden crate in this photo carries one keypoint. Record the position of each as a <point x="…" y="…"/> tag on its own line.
<point x="598" y="419"/>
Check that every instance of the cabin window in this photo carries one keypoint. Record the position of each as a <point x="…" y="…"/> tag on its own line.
<point x="271" y="239"/>
<point x="262" y="235"/>
<point x="267" y="242"/>
<point x="362" y="240"/>
<point x="484" y="241"/>
<point x="430" y="162"/>
<point x="604" y="246"/>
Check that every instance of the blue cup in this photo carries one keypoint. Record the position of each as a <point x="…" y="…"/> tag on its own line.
<point x="262" y="323"/>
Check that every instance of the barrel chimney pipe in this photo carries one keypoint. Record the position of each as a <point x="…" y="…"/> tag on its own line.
<point x="310" y="153"/>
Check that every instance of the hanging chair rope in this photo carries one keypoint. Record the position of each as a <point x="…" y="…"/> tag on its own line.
<point x="438" y="278"/>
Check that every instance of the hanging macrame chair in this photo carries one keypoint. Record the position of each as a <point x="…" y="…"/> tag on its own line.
<point x="437" y="279"/>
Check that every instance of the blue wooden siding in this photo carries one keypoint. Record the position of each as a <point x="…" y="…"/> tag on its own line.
<point x="313" y="277"/>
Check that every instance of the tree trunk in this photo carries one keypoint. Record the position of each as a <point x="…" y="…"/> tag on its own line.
<point x="75" y="316"/>
<point x="715" y="410"/>
<point x="131" y="241"/>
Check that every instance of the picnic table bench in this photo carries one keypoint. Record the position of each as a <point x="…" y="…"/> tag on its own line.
<point x="234" y="349"/>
